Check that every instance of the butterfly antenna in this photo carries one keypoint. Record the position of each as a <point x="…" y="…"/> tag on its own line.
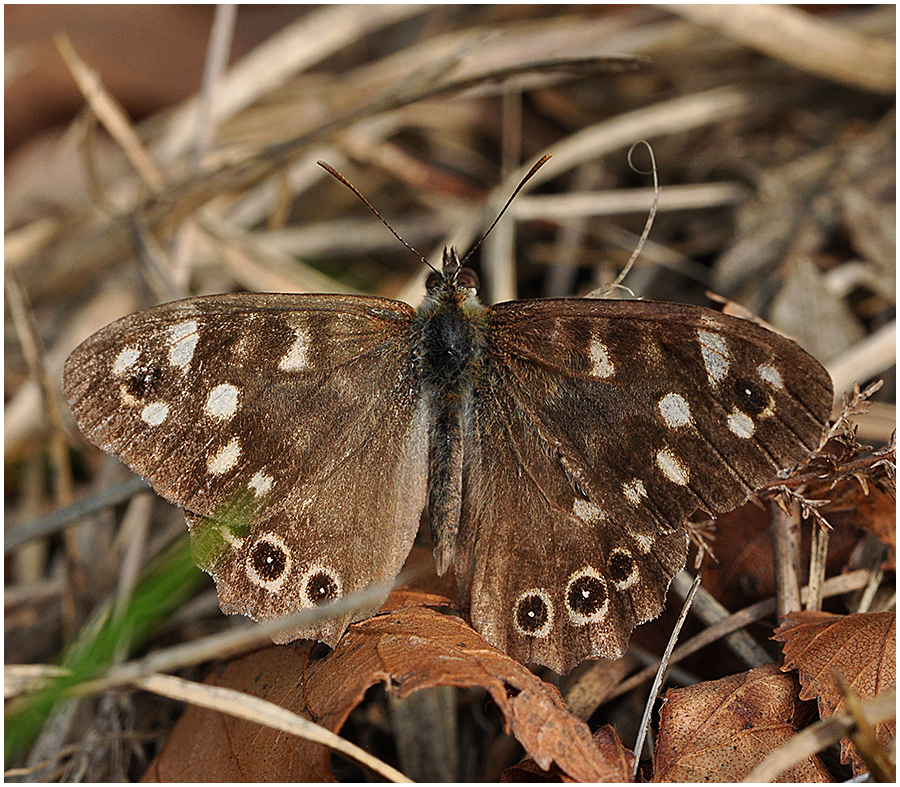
<point x="331" y="170"/>
<point x="650" y="216"/>
<point x="531" y="172"/>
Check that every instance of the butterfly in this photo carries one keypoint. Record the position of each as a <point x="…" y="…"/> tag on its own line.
<point x="555" y="447"/>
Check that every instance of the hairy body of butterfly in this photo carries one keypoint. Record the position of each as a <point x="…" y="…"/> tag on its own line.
<point x="558" y="446"/>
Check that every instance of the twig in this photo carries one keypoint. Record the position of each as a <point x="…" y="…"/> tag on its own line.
<point x="660" y="674"/>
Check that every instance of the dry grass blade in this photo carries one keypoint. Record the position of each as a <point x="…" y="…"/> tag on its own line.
<point x="797" y="37"/>
<point x="236" y="703"/>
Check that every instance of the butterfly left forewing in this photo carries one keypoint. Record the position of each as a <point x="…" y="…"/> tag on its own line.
<point x="599" y="427"/>
<point x="257" y="414"/>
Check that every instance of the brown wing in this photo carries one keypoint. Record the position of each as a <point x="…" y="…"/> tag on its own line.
<point x="600" y="426"/>
<point x="257" y="414"/>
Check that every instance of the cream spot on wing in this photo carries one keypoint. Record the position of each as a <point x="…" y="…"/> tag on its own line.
<point x="222" y="402"/>
<point x="644" y="542"/>
<point x="182" y="343"/>
<point x="125" y="360"/>
<point x="716" y="356"/>
<point x="741" y="424"/>
<point x="771" y="375"/>
<point x="261" y="483"/>
<point x="586" y="511"/>
<point x="297" y="357"/>
<point x="225" y="458"/>
<point x="672" y="467"/>
<point x="601" y="366"/>
<point x="675" y="410"/>
<point x="634" y="491"/>
<point x="155" y="413"/>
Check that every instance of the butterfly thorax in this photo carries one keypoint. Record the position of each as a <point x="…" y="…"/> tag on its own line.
<point x="451" y="330"/>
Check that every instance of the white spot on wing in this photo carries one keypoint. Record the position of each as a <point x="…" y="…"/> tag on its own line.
<point x="261" y="483"/>
<point x="155" y="413"/>
<point x="297" y="357"/>
<point x="182" y="343"/>
<point x="586" y="511"/>
<point x="675" y="410"/>
<point x="716" y="356"/>
<point x="771" y="375"/>
<point x="125" y="360"/>
<point x="222" y="402"/>
<point x="741" y="424"/>
<point x="635" y="491"/>
<point x="672" y="467"/>
<point x="644" y="542"/>
<point x="225" y="458"/>
<point x="601" y="366"/>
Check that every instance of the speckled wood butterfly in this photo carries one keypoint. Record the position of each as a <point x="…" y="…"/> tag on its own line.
<point x="556" y="447"/>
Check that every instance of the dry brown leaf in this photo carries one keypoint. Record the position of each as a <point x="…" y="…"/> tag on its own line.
<point x="861" y="647"/>
<point x="875" y="510"/>
<point x="408" y="649"/>
<point x="743" y="572"/>
<point x="720" y="730"/>
<point x="618" y="759"/>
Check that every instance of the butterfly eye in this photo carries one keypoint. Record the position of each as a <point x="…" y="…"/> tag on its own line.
<point x="433" y="280"/>
<point x="466" y="277"/>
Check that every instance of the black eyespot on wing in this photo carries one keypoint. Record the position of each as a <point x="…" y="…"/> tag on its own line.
<point x="269" y="560"/>
<point x="621" y="565"/>
<point x="749" y="396"/>
<point x="532" y="613"/>
<point x="586" y="595"/>
<point x="143" y="382"/>
<point x="321" y="588"/>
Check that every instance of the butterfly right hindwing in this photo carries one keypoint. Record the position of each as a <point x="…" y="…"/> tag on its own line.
<point x="289" y="427"/>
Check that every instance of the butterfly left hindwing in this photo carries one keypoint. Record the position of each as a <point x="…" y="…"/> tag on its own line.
<point x="258" y="415"/>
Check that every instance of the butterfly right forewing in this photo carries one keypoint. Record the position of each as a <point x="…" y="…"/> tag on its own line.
<point x="258" y="415"/>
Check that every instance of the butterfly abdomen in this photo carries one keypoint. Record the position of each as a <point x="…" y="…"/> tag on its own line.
<point x="452" y="337"/>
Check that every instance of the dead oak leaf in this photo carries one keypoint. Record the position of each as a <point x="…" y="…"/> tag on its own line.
<point x="718" y="731"/>
<point x="861" y="647"/>
<point x="408" y="649"/>
<point x="618" y="759"/>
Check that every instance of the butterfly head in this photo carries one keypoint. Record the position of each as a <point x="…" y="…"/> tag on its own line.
<point x="453" y="278"/>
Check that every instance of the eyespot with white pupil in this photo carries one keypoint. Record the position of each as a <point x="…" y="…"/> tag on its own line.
<point x="269" y="562"/>
<point x="533" y="613"/>
<point x="319" y="585"/>
<point x="750" y="396"/>
<point x="586" y="598"/>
